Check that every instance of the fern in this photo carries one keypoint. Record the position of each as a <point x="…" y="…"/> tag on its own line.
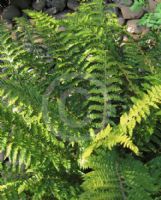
<point x="110" y="177"/>
<point x="59" y="79"/>
<point x="34" y="167"/>
<point x="152" y="20"/>
<point x="117" y="177"/>
<point x="124" y="131"/>
<point x="89" y="50"/>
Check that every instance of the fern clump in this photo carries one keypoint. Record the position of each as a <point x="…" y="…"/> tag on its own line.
<point x="89" y="49"/>
<point x="67" y="81"/>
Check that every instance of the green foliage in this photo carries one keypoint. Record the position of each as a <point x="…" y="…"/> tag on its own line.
<point x="137" y="5"/>
<point x="59" y="81"/>
<point x="124" y="131"/>
<point x="89" y="49"/>
<point x="152" y="20"/>
<point x="112" y="175"/>
<point x="115" y="176"/>
<point x="36" y="167"/>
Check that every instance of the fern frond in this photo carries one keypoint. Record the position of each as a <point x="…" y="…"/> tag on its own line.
<point x="114" y="177"/>
<point x="89" y="47"/>
<point x="122" y="134"/>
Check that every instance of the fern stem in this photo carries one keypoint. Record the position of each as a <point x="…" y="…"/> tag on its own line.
<point x="120" y="182"/>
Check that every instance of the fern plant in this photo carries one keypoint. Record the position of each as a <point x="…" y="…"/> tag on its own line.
<point x="89" y="49"/>
<point x="58" y="80"/>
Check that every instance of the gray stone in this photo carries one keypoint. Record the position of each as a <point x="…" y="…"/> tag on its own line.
<point x="11" y="12"/>
<point x="127" y="13"/>
<point x="61" y="29"/>
<point x="151" y="5"/>
<point x="22" y="4"/>
<point x="121" y="21"/>
<point x="63" y="14"/>
<point x="72" y="4"/>
<point x="51" y="11"/>
<point x="134" y="28"/>
<point x="124" y="2"/>
<point x="39" y="5"/>
<point x="58" y="4"/>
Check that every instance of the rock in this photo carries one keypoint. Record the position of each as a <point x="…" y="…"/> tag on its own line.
<point x="72" y="4"/>
<point x="151" y="5"/>
<point x="39" y="5"/>
<point x="121" y="21"/>
<point x="127" y="13"/>
<point x="117" y="11"/>
<point x="4" y="3"/>
<point x="125" y="38"/>
<point x="62" y="14"/>
<point x="1" y="10"/>
<point x="58" y="4"/>
<point x="22" y="4"/>
<point x="10" y="12"/>
<point x="61" y="29"/>
<point x="123" y="2"/>
<point x="9" y="25"/>
<point x="51" y="11"/>
<point x="134" y="28"/>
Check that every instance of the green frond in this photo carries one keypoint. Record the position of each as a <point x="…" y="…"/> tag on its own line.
<point x="115" y="177"/>
<point x="141" y="110"/>
<point x="122" y="134"/>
